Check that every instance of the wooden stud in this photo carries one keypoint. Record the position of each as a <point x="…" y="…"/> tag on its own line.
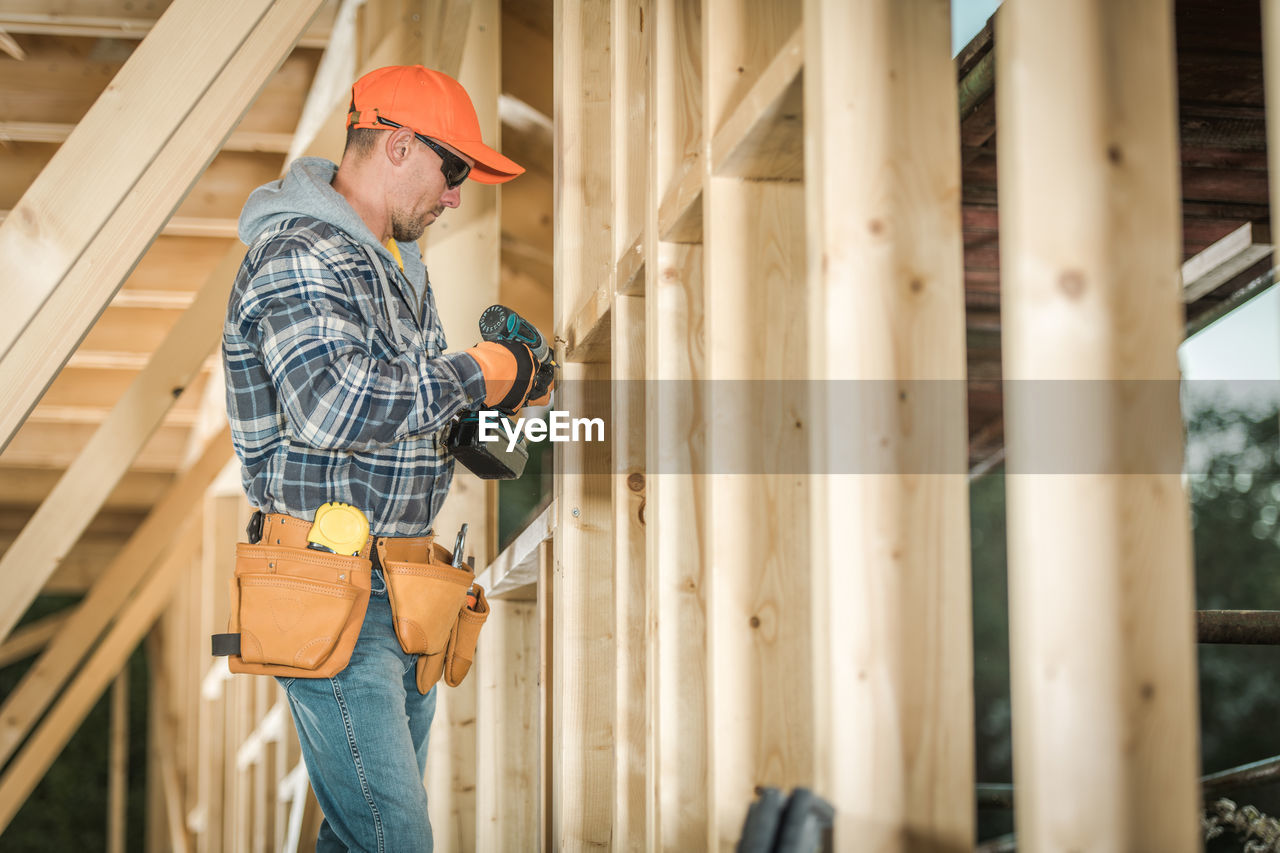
<point x="1102" y="642"/>
<point x="31" y="638"/>
<point x="1271" y="91"/>
<point x="129" y="199"/>
<point x="584" y="712"/>
<point x="546" y="695"/>
<point x="506" y="670"/>
<point x="677" y="680"/>
<point x="757" y="542"/>
<point x="25" y="705"/>
<point x="630" y="629"/>
<point x="891" y="637"/>
<point x="118" y="763"/>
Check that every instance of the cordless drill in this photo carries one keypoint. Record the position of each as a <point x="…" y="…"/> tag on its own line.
<point x="491" y="460"/>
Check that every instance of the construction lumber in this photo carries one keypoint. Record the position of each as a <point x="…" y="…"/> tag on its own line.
<point x="891" y="638"/>
<point x="1224" y="260"/>
<point x="1105" y="697"/>
<point x="1271" y="91"/>
<point x="513" y="574"/>
<point x="506" y="670"/>
<point x="118" y="763"/>
<point x="56" y="133"/>
<point x="630" y="632"/>
<point x="110" y="188"/>
<point x="109" y="655"/>
<point x="87" y="482"/>
<point x="30" y="639"/>
<point x="764" y="135"/>
<point x="111" y="20"/>
<point x="110" y="595"/>
<point x="583" y="740"/>
<point x="757" y="541"/>
<point x="676" y="675"/>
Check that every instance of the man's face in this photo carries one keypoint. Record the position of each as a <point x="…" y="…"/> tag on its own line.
<point x="423" y="194"/>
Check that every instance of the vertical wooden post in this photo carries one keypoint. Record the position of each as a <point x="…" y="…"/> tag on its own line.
<point x="546" y="700"/>
<point x="675" y="564"/>
<point x="1100" y="588"/>
<point x="757" y="535"/>
<point x="507" y="742"/>
<point x="630" y="74"/>
<point x="118" y="763"/>
<point x="891" y="586"/>
<point x="584" y="656"/>
<point x="1271" y="90"/>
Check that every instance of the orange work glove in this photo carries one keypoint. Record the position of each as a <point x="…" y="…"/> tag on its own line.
<point x="508" y="369"/>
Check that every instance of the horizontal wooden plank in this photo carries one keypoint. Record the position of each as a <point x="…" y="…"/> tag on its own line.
<point x="680" y="213"/>
<point x="1224" y="260"/>
<point x="630" y="269"/>
<point x="763" y="138"/>
<point x="56" y="444"/>
<point x="136" y="490"/>
<point x="55" y="133"/>
<point x="514" y="572"/>
<point x="115" y="20"/>
<point x="587" y="338"/>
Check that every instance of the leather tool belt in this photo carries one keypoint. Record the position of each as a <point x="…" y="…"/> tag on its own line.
<point x="296" y="612"/>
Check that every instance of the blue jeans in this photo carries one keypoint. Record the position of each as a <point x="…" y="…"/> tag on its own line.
<point x="364" y="740"/>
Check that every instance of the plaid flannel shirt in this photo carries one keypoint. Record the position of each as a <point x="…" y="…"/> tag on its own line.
<point x="336" y="391"/>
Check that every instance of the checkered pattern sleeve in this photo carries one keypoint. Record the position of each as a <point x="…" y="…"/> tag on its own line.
<point x="338" y="382"/>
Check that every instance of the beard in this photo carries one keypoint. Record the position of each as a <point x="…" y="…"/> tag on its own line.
<point x="406" y="228"/>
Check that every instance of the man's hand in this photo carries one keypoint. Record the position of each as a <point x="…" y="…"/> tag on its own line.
<point x="543" y="381"/>
<point x="509" y="371"/>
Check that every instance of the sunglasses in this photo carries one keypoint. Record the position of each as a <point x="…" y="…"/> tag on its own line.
<point x="453" y="167"/>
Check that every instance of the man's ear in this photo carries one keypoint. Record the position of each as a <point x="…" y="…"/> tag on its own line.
<point x="397" y="145"/>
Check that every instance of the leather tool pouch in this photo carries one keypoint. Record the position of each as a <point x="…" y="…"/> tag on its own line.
<point x="462" y="642"/>
<point x="428" y="600"/>
<point x="297" y="611"/>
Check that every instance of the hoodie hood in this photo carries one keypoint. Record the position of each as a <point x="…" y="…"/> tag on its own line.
<point x="307" y="190"/>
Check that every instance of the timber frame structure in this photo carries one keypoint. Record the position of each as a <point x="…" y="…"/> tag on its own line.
<point x="722" y="194"/>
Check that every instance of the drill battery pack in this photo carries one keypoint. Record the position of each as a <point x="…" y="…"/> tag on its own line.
<point x="488" y="460"/>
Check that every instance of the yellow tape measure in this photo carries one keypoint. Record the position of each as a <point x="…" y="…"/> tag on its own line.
<point x="340" y="528"/>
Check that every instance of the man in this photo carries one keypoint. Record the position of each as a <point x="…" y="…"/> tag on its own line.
<point x="338" y="389"/>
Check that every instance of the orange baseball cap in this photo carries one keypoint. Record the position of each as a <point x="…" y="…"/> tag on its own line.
<point x="433" y="104"/>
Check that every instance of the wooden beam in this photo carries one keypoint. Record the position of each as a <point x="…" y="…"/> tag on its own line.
<point x="582" y="758"/>
<point x="112" y="147"/>
<point x="764" y="136"/>
<point x="1271" y="93"/>
<point x="30" y="639"/>
<point x="892" y="642"/>
<point x="31" y="17"/>
<point x="677" y="705"/>
<point x="28" y="701"/>
<point x="56" y="133"/>
<point x="89" y="479"/>
<point x="1224" y="260"/>
<point x="118" y="763"/>
<point x="506" y="670"/>
<point x="757" y="541"/>
<point x="514" y="572"/>
<point x="630" y="615"/>
<point x="107" y="657"/>
<point x="127" y="187"/>
<point x="1105" y="698"/>
<point x="11" y="47"/>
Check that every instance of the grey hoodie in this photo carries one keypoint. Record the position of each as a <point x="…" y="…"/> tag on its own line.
<point x="307" y="190"/>
<point x="338" y="384"/>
